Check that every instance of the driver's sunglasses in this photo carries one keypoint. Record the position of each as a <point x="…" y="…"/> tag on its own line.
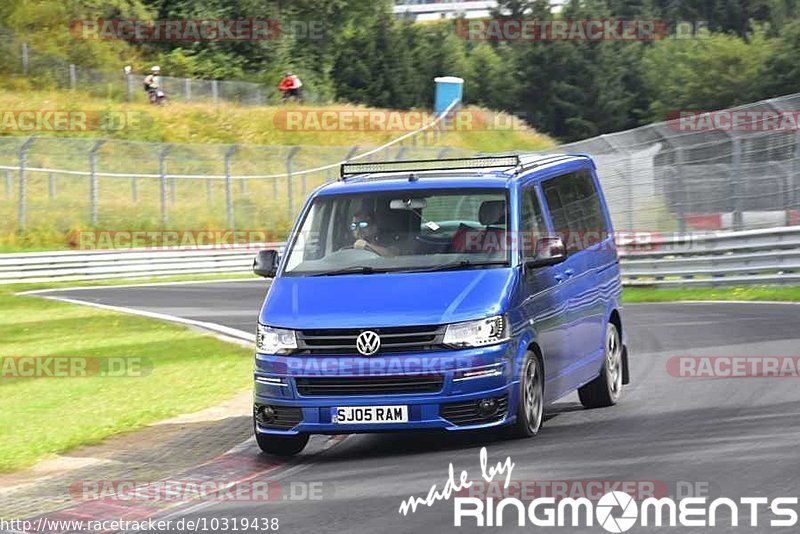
<point x="360" y="224"/>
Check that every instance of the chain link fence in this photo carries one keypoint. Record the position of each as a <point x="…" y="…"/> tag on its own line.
<point x="53" y="184"/>
<point x="677" y="176"/>
<point x="735" y="169"/>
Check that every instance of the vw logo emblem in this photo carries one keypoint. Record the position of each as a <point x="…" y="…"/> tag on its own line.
<point x="368" y="343"/>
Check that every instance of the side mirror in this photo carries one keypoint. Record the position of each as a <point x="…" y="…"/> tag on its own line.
<point x="266" y="263"/>
<point x="549" y="251"/>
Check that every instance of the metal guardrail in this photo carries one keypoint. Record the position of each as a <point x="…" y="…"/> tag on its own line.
<point x="35" y="267"/>
<point x="770" y="256"/>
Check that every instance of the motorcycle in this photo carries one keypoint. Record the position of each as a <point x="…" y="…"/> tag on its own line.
<point x="157" y="97"/>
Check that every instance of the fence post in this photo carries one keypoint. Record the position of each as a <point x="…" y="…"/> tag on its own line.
<point x="242" y="186"/>
<point x="23" y="163"/>
<point x="680" y="187"/>
<point x="162" y="171"/>
<point x="214" y="91"/>
<point x="9" y="185"/>
<point x="187" y="89"/>
<point x="93" y="183"/>
<point x="25" y="59"/>
<point x="229" y="187"/>
<point x="135" y="190"/>
<point x="51" y="185"/>
<point x="736" y="160"/>
<point x="630" y="185"/>
<point x="400" y="152"/>
<point x="351" y="153"/>
<point x="129" y="86"/>
<point x="73" y="77"/>
<point x="289" y="160"/>
<point x="794" y="199"/>
<point x="173" y="189"/>
<point x="208" y="191"/>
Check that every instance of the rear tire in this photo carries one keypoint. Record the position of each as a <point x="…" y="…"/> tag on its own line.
<point x="281" y="445"/>
<point x="530" y="408"/>
<point x="605" y="390"/>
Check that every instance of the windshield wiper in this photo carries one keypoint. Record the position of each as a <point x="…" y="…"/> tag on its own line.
<point x="457" y="265"/>
<point x="358" y="269"/>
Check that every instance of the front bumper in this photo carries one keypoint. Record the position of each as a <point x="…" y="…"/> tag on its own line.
<point x="467" y="375"/>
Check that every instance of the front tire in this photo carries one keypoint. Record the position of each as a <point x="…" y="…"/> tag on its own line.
<point x="281" y="445"/>
<point x="530" y="409"/>
<point x="605" y="390"/>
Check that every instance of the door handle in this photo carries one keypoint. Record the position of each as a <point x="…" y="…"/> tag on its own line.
<point x="569" y="272"/>
<point x="559" y="277"/>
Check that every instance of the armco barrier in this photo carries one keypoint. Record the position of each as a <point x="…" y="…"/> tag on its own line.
<point x="769" y="256"/>
<point x="33" y="267"/>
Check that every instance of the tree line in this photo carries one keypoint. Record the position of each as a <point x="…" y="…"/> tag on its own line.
<point x="718" y="53"/>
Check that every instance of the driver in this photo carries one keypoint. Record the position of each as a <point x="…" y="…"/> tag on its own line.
<point x="367" y="235"/>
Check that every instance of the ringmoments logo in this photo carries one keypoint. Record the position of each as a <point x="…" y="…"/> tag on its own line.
<point x="615" y="511"/>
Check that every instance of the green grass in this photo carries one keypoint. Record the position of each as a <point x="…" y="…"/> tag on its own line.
<point x="754" y="293"/>
<point x="206" y="123"/>
<point x="45" y="416"/>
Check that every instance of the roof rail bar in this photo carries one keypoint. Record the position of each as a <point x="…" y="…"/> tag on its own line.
<point x="525" y="166"/>
<point x="483" y="162"/>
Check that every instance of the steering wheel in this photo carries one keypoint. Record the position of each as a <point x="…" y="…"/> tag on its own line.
<point x="368" y="248"/>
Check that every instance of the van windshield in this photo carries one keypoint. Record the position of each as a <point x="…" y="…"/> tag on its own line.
<point x="402" y="231"/>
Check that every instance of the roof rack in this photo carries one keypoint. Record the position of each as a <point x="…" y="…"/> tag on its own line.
<point x="483" y="162"/>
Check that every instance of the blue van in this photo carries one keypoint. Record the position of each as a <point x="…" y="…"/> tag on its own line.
<point x="454" y="294"/>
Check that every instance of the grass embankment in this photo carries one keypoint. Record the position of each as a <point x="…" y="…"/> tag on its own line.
<point x="183" y="371"/>
<point x="225" y="123"/>
<point x="755" y="293"/>
<point x="201" y="133"/>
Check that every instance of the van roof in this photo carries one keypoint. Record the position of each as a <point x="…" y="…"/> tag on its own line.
<point x="417" y="176"/>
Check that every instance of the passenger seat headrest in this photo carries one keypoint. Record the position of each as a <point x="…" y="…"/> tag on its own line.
<point x="492" y="212"/>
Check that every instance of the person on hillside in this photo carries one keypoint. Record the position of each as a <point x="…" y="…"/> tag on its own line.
<point x="151" y="81"/>
<point x="152" y="84"/>
<point x="290" y="86"/>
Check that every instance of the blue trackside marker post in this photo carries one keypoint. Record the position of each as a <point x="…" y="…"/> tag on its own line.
<point x="449" y="89"/>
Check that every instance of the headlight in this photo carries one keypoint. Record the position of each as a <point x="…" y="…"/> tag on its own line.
<point x="477" y="333"/>
<point x="275" y="340"/>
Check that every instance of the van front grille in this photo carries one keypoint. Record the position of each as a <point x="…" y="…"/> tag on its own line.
<point x="393" y="340"/>
<point x="369" y="385"/>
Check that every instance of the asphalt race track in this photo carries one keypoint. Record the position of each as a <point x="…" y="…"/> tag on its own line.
<point x="735" y="437"/>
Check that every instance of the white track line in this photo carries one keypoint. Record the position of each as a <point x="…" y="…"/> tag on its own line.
<point x="233" y="335"/>
<point x="145" y="284"/>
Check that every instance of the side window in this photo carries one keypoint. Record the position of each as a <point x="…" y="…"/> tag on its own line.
<point x="532" y="223"/>
<point x="575" y="209"/>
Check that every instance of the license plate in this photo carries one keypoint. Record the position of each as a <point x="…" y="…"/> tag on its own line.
<point x="350" y="415"/>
